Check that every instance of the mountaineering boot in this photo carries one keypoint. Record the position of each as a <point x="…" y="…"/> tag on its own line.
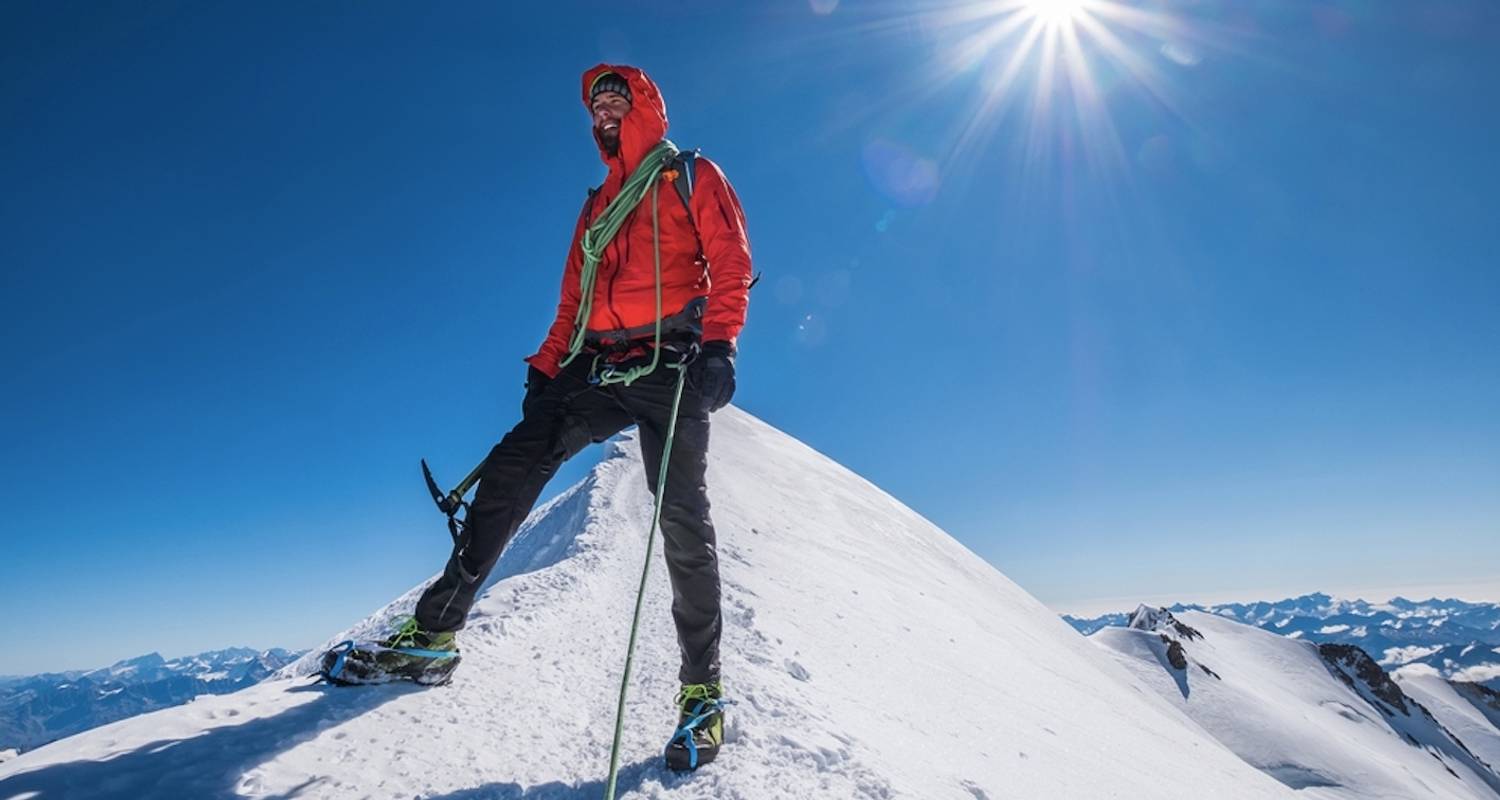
<point x="409" y="653"/>
<point x="700" y="726"/>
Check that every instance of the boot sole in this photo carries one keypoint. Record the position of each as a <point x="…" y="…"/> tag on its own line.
<point x="679" y="759"/>
<point x="346" y="669"/>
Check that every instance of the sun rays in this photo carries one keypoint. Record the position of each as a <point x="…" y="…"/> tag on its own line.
<point x="1056" y="61"/>
<point x="1059" y="70"/>
<point x="1043" y="85"/>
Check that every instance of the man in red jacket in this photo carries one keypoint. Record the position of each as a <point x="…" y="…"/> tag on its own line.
<point x="698" y="235"/>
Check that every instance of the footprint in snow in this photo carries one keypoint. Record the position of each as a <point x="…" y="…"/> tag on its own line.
<point x="973" y="788"/>
<point x="796" y="670"/>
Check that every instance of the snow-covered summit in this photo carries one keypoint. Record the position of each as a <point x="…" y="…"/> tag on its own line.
<point x="130" y="666"/>
<point x="1146" y="618"/>
<point x="869" y="655"/>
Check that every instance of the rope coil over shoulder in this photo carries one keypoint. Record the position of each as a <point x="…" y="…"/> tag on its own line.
<point x="598" y="235"/>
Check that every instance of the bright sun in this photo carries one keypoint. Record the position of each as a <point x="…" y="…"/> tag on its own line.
<point x="1055" y="13"/>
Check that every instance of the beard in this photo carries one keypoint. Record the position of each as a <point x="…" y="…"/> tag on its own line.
<point x="610" y="139"/>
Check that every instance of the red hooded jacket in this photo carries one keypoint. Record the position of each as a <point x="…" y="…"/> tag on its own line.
<point x="625" y="287"/>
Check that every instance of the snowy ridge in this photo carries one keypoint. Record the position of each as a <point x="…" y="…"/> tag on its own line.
<point x="869" y="655"/>
<point x="1325" y="719"/>
<point x="1460" y="639"/>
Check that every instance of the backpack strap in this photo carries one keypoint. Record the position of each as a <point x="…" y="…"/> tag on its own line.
<point x="684" y="168"/>
<point x="685" y="164"/>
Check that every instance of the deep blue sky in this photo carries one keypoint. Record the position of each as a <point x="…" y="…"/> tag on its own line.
<point x="260" y="258"/>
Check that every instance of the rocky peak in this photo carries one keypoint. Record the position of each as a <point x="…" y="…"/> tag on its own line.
<point x="1146" y="618"/>
<point x="1349" y="663"/>
<point x="1480" y="695"/>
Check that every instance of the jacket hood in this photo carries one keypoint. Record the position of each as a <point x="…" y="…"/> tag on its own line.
<point x="642" y="127"/>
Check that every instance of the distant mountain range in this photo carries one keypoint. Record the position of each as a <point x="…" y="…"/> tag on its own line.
<point x="38" y="709"/>
<point x="1458" y="639"/>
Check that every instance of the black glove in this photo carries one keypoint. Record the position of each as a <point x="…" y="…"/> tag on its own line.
<point x="712" y="374"/>
<point x="536" y="381"/>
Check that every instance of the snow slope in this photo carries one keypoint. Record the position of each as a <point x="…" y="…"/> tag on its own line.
<point x="1329" y="723"/>
<point x="869" y="656"/>
<point x="1472" y="714"/>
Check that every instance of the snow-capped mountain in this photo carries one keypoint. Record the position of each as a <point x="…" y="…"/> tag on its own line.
<point x="1322" y="718"/>
<point x="1461" y="640"/>
<point x="867" y="653"/>
<point x="41" y="708"/>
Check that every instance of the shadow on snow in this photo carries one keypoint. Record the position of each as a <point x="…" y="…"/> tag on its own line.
<point x="632" y="777"/>
<point x="211" y="765"/>
<point x="208" y="765"/>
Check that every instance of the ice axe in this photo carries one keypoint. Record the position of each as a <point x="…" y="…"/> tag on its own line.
<point x="450" y="504"/>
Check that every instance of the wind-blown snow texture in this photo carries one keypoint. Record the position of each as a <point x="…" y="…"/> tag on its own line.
<point x="1323" y="719"/>
<point x="869" y="655"/>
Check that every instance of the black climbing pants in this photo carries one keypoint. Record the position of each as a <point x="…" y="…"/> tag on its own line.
<point x="568" y="415"/>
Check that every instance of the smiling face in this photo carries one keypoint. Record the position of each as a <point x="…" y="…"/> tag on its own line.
<point x="607" y="109"/>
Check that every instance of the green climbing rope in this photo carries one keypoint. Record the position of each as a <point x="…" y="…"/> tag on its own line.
<point x="635" y="623"/>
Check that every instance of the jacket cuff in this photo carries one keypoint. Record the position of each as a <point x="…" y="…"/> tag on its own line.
<point x="722" y="347"/>
<point x="718" y="333"/>
<point x="544" y="365"/>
